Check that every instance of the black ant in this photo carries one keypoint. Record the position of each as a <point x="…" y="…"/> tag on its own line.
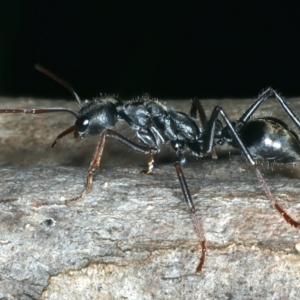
<point x="261" y="139"/>
<point x="268" y="139"/>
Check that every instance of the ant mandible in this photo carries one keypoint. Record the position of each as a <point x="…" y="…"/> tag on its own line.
<point x="266" y="138"/>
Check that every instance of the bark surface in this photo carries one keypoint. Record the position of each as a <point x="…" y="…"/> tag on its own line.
<point x="132" y="237"/>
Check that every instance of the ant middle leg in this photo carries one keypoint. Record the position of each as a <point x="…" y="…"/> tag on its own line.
<point x="197" y="222"/>
<point x="179" y="147"/>
<point x="150" y="137"/>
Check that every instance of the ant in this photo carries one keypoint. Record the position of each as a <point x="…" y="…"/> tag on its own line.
<point x="266" y="139"/>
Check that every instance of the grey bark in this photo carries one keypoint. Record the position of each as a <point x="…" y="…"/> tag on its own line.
<point x="132" y="237"/>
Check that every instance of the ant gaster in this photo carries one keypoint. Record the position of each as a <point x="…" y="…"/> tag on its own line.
<point x="268" y="138"/>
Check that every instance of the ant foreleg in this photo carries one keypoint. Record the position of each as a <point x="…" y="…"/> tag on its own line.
<point x="191" y="206"/>
<point x="95" y="163"/>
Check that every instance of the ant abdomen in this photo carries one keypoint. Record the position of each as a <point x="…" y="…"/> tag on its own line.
<point x="269" y="139"/>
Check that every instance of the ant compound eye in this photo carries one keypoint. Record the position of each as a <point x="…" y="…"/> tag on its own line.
<point x="82" y="124"/>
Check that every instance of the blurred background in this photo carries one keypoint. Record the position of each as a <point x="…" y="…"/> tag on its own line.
<point x="170" y="49"/>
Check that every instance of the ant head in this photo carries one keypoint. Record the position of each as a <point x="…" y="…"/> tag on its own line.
<point x="96" y="116"/>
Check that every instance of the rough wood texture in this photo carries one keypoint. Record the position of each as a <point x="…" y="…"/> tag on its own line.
<point x="132" y="236"/>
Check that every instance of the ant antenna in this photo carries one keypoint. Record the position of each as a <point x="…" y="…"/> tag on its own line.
<point x="60" y="81"/>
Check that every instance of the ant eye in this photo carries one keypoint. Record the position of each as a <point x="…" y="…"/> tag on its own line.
<point x="81" y="124"/>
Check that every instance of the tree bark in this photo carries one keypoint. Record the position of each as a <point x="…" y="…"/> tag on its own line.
<point x="132" y="236"/>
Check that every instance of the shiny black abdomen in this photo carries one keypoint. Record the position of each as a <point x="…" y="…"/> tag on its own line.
<point x="270" y="139"/>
